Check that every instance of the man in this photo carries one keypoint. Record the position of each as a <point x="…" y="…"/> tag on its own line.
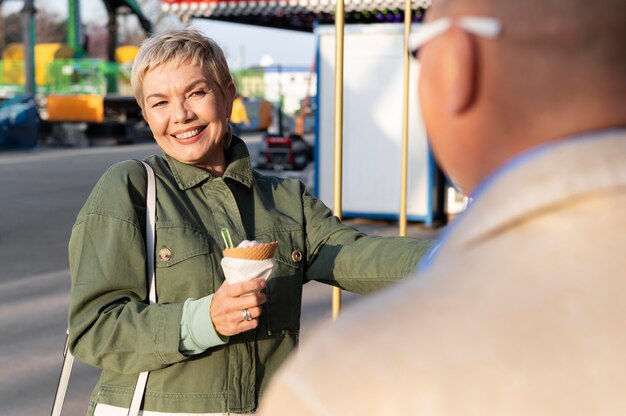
<point x="520" y="310"/>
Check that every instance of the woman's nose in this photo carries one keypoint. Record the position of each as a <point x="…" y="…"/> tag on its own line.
<point x="182" y="112"/>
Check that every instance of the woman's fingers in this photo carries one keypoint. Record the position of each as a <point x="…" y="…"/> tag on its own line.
<point x="253" y="313"/>
<point x="249" y="318"/>
<point x="229" y="303"/>
<point x="242" y="288"/>
<point x="236" y="322"/>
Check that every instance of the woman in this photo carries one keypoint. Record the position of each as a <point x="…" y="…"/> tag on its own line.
<point x="204" y="356"/>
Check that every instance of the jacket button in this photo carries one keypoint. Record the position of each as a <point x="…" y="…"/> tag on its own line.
<point x="296" y="255"/>
<point x="165" y="254"/>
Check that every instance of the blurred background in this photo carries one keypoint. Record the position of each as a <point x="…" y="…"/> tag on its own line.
<point x="67" y="114"/>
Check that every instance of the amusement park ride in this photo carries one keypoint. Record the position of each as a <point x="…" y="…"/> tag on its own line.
<point x="47" y="86"/>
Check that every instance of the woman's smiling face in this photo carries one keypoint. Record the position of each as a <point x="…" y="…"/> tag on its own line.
<point x="187" y="114"/>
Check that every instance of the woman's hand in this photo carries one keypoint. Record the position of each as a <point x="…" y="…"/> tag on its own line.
<point x="228" y="305"/>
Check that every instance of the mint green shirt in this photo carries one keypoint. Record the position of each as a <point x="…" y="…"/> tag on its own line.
<point x="197" y="332"/>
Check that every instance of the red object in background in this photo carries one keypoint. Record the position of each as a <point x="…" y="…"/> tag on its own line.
<point x="278" y="152"/>
<point x="285" y="152"/>
<point x="209" y="1"/>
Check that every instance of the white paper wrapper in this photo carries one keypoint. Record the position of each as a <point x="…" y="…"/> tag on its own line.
<point x="241" y="270"/>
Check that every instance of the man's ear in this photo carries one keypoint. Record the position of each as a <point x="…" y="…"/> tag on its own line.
<point x="464" y="72"/>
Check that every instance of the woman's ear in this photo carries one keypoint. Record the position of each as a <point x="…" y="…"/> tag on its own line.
<point x="463" y="72"/>
<point x="231" y="92"/>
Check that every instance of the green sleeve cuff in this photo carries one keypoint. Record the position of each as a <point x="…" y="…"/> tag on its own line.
<point x="197" y="332"/>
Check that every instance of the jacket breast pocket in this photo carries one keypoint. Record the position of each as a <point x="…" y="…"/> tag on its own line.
<point x="184" y="264"/>
<point x="284" y="286"/>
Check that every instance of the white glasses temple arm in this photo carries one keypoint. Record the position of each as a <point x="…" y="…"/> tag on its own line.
<point x="488" y="27"/>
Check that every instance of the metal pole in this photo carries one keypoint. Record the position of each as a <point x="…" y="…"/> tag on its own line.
<point x="112" y="30"/>
<point x="405" y="120"/>
<point x="74" y="29"/>
<point x="28" y="30"/>
<point x="337" y="207"/>
<point x="280" y="101"/>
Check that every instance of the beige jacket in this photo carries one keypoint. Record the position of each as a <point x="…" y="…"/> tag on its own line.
<point x="521" y="312"/>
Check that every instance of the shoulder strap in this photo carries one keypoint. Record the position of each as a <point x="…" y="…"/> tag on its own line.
<point x="142" y="380"/>
<point x="68" y="358"/>
<point x="64" y="379"/>
<point x="150" y="230"/>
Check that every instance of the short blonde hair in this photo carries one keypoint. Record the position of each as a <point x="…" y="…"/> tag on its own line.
<point x="178" y="47"/>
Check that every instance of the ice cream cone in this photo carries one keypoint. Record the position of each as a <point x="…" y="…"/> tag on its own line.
<point x="263" y="251"/>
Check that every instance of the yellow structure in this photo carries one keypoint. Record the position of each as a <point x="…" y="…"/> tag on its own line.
<point x="126" y="54"/>
<point x="45" y="53"/>
<point x="75" y="108"/>
<point x="239" y="114"/>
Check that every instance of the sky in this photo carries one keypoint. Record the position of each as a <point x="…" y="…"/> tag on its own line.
<point x="244" y="45"/>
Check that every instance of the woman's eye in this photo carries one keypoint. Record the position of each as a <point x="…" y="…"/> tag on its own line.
<point x="159" y="104"/>
<point x="197" y="94"/>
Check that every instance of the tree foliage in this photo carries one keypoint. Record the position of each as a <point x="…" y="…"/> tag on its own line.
<point x="49" y="28"/>
<point x="52" y="28"/>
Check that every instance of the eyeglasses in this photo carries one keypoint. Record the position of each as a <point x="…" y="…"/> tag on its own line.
<point x="488" y="27"/>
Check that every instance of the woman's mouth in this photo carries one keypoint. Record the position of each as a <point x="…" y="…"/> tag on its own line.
<point x="187" y="135"/>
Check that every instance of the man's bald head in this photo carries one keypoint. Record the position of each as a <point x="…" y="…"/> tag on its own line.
<point x="557" y="69"/>
<point x="578" y="34"/>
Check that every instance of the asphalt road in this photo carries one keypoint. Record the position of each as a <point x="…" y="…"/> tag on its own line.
<point x="42" y="192"/>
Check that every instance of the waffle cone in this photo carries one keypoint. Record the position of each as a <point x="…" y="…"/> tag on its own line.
<point x="263" y="251"/>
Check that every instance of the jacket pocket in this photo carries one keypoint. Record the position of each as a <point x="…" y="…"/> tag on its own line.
<point x="184" y="265"/>
<point x="284" y="286"/>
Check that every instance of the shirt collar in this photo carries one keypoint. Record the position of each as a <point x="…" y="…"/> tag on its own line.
<point x="239" y="168"/>
<point x="538" y="178"/>
<point x="535" y="153"/>
<point x="545" y="177"/>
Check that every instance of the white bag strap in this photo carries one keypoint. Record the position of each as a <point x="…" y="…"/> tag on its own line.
<point x="64" y="379"/>
<point x="151" y="231"/>
<point x="68" y="358"/>
<point x="142" y="380"/>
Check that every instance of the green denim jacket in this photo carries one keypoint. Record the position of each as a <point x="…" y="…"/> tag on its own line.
<point x="113" y="327"/>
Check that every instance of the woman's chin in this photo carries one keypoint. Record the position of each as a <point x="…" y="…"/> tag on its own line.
<point x="196" y="156"/>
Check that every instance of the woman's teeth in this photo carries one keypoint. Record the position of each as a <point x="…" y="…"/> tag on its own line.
<point x="187" y="135"/>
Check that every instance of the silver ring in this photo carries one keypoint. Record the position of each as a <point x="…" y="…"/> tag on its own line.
<point x="246" y="315"/>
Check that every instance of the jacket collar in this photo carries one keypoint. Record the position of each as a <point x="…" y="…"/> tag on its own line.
<point x="239" y="168"/>
<point x="542" y="179"/>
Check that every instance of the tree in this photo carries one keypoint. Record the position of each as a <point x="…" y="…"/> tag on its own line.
<point x="50" y="28"/>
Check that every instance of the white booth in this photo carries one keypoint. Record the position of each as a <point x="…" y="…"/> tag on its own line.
<point x="372" y="152"/>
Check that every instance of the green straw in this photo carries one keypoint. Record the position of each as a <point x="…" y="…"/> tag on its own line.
<point x="226" y="236"/>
